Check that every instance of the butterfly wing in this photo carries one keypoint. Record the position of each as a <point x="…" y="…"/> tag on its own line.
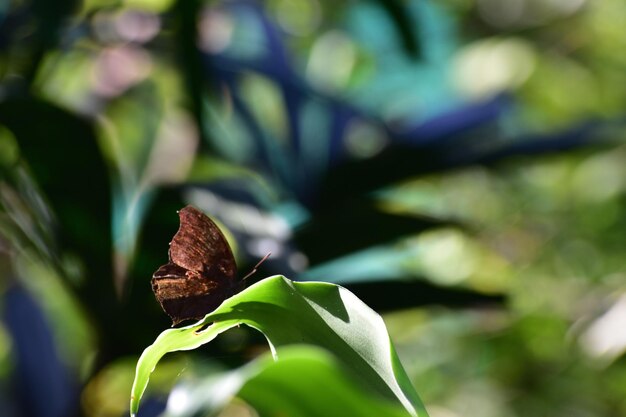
<point x="200" y="246"/>
<point x="201" y="273"/>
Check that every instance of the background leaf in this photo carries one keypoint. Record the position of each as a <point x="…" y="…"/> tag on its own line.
<point x="303" y="380"/>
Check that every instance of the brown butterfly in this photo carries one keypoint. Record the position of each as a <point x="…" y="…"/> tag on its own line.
<point x="201" y="272"/>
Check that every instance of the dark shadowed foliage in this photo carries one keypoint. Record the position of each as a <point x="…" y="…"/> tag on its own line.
<point x="459" y="166"/>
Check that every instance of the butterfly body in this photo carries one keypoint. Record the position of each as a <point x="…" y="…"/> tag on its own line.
<point x="201" y="272"/>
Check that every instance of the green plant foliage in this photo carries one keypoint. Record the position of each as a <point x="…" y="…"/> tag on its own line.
<point x="459" y="166"/>
<point x="290" y="313"/>
<point x="303" y="380"/>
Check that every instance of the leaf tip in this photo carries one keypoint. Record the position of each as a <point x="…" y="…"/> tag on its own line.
<point x="133" y="407"/>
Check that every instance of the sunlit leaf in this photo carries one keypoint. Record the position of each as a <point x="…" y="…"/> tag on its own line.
<point x="289" y="313"/>
<point x="291" y="385"/>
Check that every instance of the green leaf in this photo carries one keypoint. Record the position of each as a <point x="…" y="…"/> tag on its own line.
<point x="289" y="313"/>
<point x="290" y="385"/>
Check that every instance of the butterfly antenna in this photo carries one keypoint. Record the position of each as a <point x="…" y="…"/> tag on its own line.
<point x="256" y="266"/>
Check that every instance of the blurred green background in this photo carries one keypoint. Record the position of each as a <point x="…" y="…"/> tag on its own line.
<point x="459" y="165"/>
